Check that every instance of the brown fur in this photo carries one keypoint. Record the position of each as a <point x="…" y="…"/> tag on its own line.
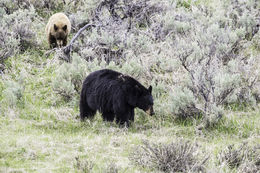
<point x="57" y="30"/>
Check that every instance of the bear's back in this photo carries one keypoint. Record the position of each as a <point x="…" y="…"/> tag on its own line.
<point x="104" y="74"/>
<point x="107" y="79"/>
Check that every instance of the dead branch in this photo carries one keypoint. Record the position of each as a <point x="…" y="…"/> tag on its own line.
<point x="47" y="53"/>
<point x="66" y="50"/>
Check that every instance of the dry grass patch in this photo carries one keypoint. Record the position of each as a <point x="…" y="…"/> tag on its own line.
<point x="179" y="156"/>
<point x="244" y="158"/>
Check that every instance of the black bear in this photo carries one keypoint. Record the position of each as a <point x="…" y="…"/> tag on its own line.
<point x="115" y="95"/>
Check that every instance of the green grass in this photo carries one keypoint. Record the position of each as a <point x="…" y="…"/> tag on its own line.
<point x="37" y="140"/>
<point x="42" y="132"/>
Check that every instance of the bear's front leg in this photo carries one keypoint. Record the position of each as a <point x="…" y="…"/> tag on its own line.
<point x="122" y="123"/>
<point x="132" y="115"/>
<point x="64" y="42"/>
<point x="122" y="118"/>
<point x="52" y="41"/>
<point x="121" y="109"/>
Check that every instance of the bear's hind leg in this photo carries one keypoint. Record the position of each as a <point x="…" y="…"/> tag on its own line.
<point x="86" y="111"/>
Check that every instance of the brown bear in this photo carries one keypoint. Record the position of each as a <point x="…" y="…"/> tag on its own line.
<point x="57" y="30"/>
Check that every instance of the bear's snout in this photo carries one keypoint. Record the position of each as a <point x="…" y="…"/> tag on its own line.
<point x="150" y="111"/>
<point x="60" y="43"/>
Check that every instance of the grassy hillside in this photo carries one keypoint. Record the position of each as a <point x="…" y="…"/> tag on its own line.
<point x="201" y="57"/>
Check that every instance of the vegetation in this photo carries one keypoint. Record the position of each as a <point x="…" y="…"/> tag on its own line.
<point x="201" y="57"/>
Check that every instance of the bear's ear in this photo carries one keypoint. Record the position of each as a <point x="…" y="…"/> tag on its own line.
<point x="64" y="27"/>
<point x="150" y="89"/>
<point x="55" y="27"/>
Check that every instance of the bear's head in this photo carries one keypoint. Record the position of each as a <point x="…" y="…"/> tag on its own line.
<point x="142" y="98"/>
<point x="60" y="32"/>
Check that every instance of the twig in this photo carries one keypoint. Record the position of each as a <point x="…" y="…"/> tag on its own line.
<point x="68" y="48"/>
<point x="50" y="51"/>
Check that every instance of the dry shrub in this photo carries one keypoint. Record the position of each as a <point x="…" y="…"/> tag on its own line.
<point x="8" y="44"/>
<point x="111" y="168"/>
<point x="183" y="104"/>
<point x="233" y="157"/>
<point x="118" y="31"/>
<point x="43" y="6"/>
<point x="179" y="156"/>
<point x="246" y="158"/>
<point x="16" y="35"/>
<point x="248" y="167"/>
<point x="83" y="165"/>
<point x="13" y="90"/>
<point x="69" y="78"/>
<point x="210" y="46"/>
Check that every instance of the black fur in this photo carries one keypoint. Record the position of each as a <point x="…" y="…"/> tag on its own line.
<point x="114" y="95"/>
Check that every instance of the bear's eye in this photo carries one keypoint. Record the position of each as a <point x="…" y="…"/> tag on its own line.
<point x="55" y="27"/>
<point x="64" y="27"/>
